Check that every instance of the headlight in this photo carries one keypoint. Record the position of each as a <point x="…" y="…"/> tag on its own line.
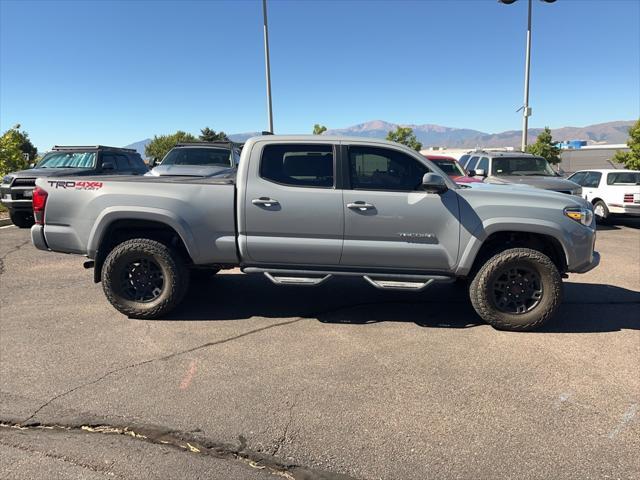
<point x="7" y="179"/>
<point x="582" y="215"/>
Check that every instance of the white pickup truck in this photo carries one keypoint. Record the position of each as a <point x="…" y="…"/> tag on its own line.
<point x="301" y="209"/>
<point x="612" y="192"/>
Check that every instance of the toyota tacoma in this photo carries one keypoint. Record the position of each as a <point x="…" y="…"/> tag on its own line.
<point x="303" y="209"/>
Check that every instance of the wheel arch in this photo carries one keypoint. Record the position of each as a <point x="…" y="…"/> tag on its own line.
<point x="543" y="238"/>
<point x="113" y="229"/>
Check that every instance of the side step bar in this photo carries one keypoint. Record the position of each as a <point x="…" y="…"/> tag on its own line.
<point x="382" y="281"/>
<point x="383" y="284"/>
<point x="279" y="279"/>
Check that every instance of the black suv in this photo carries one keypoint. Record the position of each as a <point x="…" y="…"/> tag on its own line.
<point x="17" y="187"/>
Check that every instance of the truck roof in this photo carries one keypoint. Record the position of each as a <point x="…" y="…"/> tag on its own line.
<point x="326" y="139"/>
<point x="493" y="153"/>
<point x="90" y="147"/>
<point x="218" y="143"/>
<point x="607" y="170"/>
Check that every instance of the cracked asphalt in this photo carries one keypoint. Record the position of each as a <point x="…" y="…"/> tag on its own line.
<point x="338" y="381"/>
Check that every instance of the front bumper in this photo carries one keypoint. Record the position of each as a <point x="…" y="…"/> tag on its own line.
<point x="16" y="198"/>
<point x="595" y="261"/>
<point x="629" y="209"/>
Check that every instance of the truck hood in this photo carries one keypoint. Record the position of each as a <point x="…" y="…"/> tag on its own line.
<point x="547" y="183"/>
<point x="523" y="195"/>
<point x="188" y="170"/>
<point x="52" y="172"/>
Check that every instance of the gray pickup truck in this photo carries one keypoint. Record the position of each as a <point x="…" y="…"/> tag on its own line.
<point x="301" y="209"/>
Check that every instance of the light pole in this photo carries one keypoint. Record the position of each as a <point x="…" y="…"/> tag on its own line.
<point x="267" y="64"/>
<point x="526" y="109"/>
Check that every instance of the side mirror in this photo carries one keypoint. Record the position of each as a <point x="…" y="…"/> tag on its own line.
<point x="480" y="173"/>
<point x="154" y="162"/>
<point x="108" y="166"/>
<point x="471" y="173"/>
<point x="32" y="165"/>
<point x="434" y="183"/>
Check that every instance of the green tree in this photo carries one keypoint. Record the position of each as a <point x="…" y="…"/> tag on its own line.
<point x="11" y="154"/>
<point x="405" y="136"/>
<point x="319" y="129"/>
<point x="161" y="144"/>
<point x="208" y="135"/>
<point x="631" y="159"/>
<point x="545" y="147"/>
<point x="25" y="144"/>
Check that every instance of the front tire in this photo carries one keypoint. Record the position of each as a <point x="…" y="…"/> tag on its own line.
<point x="22" y="219"/>
<point x="144" y="278"/>
<point x="518" y="289"/>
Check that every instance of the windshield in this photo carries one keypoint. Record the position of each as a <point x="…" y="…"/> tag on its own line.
<point x="537" y="166"/>
<point x="199" y="156"/>
<point x="68" y="160"/>
<point x="449" y="167"/>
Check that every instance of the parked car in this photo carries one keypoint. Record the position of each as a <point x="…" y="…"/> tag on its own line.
<point x="453" y="169"/>
<point x="612" y="192"/>
<point x="201" y="159"/>
<point x="16" y="188"/>
<point x="302" y="209"/>
<point x="518" y="168"/>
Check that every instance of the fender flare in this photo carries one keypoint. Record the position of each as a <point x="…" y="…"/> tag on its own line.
<point x="507" y="224"/>
<point x="112" y="214"/>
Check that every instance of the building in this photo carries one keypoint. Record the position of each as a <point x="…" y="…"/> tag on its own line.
<point x="591" y="156"/>
<point x="571" y="144"/>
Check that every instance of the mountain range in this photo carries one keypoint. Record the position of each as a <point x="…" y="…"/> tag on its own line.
<point x="437" y="135"/>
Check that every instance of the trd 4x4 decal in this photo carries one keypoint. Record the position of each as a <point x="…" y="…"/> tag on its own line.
<point x="80" y="185"/>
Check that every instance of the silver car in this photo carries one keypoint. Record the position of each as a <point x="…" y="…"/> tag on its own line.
<point x="517" y="168"/>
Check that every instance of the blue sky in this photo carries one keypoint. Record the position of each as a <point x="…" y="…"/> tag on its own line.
<point x="115" y="72"/>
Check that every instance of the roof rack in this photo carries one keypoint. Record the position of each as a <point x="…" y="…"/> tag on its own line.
<point x="90" y="147"/>
<point x="213" y="144"/>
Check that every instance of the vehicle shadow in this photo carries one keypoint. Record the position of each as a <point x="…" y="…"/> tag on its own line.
<point x="587" y="307"/>
<point x="616" y="223"/>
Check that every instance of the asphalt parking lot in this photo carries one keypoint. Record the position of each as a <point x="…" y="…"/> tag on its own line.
<point x="249" y="380"/>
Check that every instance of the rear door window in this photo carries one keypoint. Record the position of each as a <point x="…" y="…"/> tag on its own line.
<point x="623" y="178"/>
<point x="298" y="165"/>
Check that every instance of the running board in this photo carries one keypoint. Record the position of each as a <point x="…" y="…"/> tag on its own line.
<point x="279" y="279"/>
<point x="382" y="281"/>
<point x="415" y="286"/>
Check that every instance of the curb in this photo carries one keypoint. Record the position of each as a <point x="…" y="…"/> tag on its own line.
<point x="5" y="221"/>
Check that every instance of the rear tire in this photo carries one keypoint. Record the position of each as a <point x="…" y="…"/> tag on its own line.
<point x="518" y="289"/>
<point x="601" y="212"/>
<point x="22" y="219"/>
<point x="144" y="278"/>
